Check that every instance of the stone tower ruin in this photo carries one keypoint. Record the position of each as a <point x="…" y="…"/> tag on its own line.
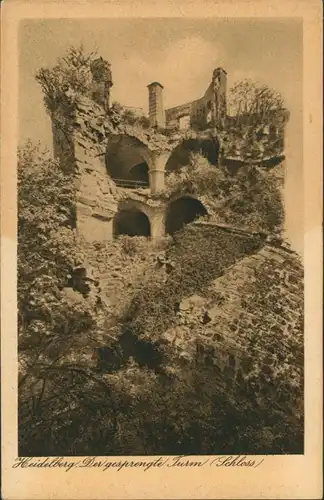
<point x="208" y="111"/>
<point x="101" y="82"/>
<point x="119" y="168"/>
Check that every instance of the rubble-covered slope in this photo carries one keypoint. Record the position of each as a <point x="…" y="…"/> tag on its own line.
<point x="248" y="328"/>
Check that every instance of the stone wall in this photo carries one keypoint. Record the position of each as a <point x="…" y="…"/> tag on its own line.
<point x="208" y="111"/>
<point x="173" y="115"/>
<point x="244" y="324"/>
<point x="121" y="267"/>
<point x="81" y="141"/>
<point x="86" y="131"/>
<point x="214" y="298"/>
<point x="248" y="327"/>
<point x="96" y="194"/>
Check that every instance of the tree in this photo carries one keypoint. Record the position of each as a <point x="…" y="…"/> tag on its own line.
<point x="256" y="122"/>
<point x="59" y="314"/>
<point x="253" y="103"/>
<point x="71" y="74"/>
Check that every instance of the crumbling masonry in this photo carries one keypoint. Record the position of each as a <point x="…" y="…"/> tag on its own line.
<point x="119" y="172"/>
<point x="120" y="169"/>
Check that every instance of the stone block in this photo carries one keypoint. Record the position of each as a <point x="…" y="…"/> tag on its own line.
<point x="83" y="209"/>
<point x="77" y="183"/>
<point x="213" y="313"/>
<point x="103" y="214"/>
<point x="196" y="301"/>
<point x="95" y="229"/>
<point x="105" y="188"/>
<point x="96" y="165"/>
<point x="72" y="296"/>
<point x="272" y="254"/>
<point x="184" y="305"/>
<point x="87" y="201"/>
<point x="108" y="207"/>
<point x="81" y="154"/>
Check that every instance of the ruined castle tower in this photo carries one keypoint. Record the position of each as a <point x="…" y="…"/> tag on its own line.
<point x="101" y="82"/>
<point x="156" y="110"/>
<point x="108" y="159"/>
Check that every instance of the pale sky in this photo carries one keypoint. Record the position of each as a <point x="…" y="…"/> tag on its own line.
<point x="181" y="54"/>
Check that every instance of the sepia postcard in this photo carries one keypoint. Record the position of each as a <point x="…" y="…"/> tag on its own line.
<point x="161" y="250"/>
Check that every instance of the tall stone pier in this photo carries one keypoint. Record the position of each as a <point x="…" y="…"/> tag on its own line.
<point x="156" y="110"/>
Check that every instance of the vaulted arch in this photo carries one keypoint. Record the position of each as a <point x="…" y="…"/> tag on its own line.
<point x="140" y="172"/>
<point x="132" y="219"/>
<point x="127" y="161"/>
<point x="180" y="156"/>
<point x="181" y="212"/>
<point x="131" y="222"/>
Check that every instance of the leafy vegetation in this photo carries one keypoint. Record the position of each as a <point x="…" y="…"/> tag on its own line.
<point x="253" y="102"/>
<point x="256" y="120"/>
<point x="250" y="199"/>
<point x="54" y="327"/>
<point x="192" y="265"/>
<point x="141" y="401"/>
<point x="97" y="378"/>
<point x="71" y="75"/>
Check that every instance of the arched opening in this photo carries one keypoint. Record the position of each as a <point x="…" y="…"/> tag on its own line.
<point x="140" y="173"/>
<point x="131" y="222"/>
<point x="180" y="157"/>
<point x="127" y="162"/>
<point x="181" y="212"/>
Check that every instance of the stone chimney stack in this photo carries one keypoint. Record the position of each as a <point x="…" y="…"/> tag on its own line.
<point x="156" y="110"/>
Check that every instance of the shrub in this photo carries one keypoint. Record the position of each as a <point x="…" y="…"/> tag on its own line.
<point x="53" y="327"/>
<point x="133" y="245"/>
<point x="256" y="202"/>
<point x="251" y="199"/>
<point x="71" y="73"/>
<point x="144" y="122"/>
<point x="129" y="117"/>
<point x="197" y="256"/>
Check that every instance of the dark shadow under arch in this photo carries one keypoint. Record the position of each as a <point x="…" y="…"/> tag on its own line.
<point x="181" y="212"/>
<point x="209" y="148"/>
<point x="140" y="173"/>
<point x="131" y="222"/>
<point x="127" y="161"/>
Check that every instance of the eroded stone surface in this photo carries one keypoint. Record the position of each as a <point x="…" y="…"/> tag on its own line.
<point x="256" y="321"/>
<point x="255" y="302"/>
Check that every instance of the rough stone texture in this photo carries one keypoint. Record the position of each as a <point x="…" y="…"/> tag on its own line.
<point x="96" y="194"/>
<point x="84" y="130"/>
<point x="85" y="127"/>
<point x="240" y="317"/>
<point x="122" y="267"/>
<point x="249" y="325"/>
<point x="82" y="135"/>
<point x="209" y="110"/>
<point x="265" y="145"/>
